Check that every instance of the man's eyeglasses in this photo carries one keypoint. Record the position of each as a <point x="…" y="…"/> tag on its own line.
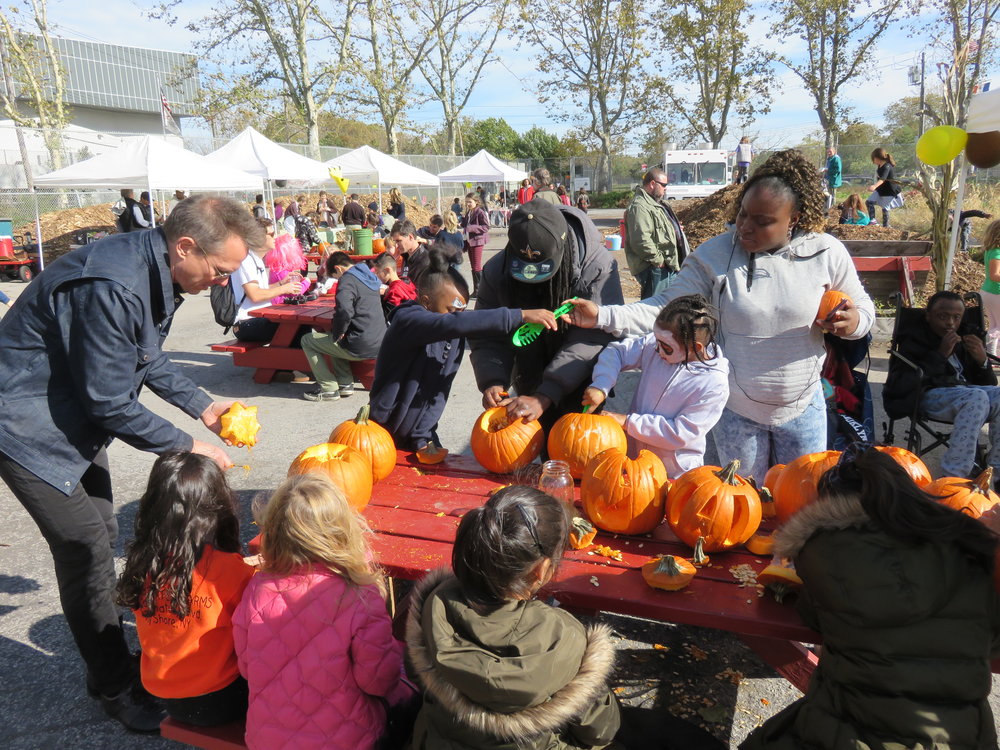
<point x="661" y="184"/>
<point x="216" y="275"/>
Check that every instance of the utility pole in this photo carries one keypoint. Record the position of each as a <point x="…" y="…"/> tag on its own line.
<point x="8" y="83"/>
<point x="920" y="128"/>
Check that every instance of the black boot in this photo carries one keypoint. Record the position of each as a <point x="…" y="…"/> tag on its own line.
<point x="476" y="276"/>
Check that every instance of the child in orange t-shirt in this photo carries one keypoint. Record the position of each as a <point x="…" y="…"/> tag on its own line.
<point x="183" y="577"/>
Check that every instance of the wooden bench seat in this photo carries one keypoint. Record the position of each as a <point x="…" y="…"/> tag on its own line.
<point x="224" y="737"/>
<point x="236" y="346"/>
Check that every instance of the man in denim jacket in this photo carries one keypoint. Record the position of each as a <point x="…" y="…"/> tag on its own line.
<point x="77" y="348"/>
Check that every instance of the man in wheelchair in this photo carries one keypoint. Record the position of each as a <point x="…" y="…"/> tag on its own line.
<point x="957" y="383"/>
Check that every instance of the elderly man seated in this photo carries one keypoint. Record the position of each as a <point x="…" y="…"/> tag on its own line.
<point x="958" y="382"/>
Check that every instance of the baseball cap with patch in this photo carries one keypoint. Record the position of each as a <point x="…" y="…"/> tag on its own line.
<point x="536" y="240"/>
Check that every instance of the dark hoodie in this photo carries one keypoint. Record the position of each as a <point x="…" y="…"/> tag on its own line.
<point x="359" y="323"/>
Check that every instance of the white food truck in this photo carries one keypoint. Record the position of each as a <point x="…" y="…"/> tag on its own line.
<point x="695" y="173"/>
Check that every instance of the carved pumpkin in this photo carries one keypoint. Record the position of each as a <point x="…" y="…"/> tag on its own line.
<point x="670" y="573"/>
<point x="346" y="467"/>
<point x="760" y="544"/>
<point x="780" y="578"/>
<point x="624" y="495"/>
<point x="577" y="438"/>
<point x="713" y="503"/>
<point x="972" y="497"/>
<point x="581" y="533"/>
<point x="916" y="468"/>
<point x="240" y="425"/>
<point x="771" y="478"/>
<point x="372" y="440"/>
<point x="831" y="298"/>
<point x="503" y="445"/>
<point x="796" y="485"/>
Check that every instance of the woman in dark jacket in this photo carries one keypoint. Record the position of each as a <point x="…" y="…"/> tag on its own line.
<point x="885" y="191"/>
<point x="397" y="209"/>
<point x="476" y="224"/>
<point x="901" y="588"/>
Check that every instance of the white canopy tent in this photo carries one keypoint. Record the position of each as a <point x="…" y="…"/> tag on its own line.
<point x="369" y="165"/>
<point x="483" y="167"/>
<point x="148" y="161"/>
<point x="257" y="154"/>
<point x="984" y="117"/>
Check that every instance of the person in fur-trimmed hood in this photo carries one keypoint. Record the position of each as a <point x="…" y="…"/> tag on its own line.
<point x="901" y="588"/>
<point x="501" y="670"/>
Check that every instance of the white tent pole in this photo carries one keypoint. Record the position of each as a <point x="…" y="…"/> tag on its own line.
<point x="956" y="220"/>
<point x="152" y="203"/>
<point x="38" y="233"/>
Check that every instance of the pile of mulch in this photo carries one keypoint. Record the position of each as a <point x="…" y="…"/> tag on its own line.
<point x="59" y="228"/>
<point x="870" y="232"/>
<point x="418" y="214"/>
<point x="966" y="276"/>
<point x="705" y="218"/>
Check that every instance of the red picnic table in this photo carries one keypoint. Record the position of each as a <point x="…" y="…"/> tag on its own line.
<point x="279" y="353"/>
<point x="415" y="512"/>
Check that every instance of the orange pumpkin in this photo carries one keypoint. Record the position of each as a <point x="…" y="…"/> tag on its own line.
<point x="581" y="533"/>
<point x="713" y="503"/>
<point x="796" y="485"/>
<point x="771" y="478"/>
<point x="760" y="544"/>
<point x="972" y="497"/>
<point x="371" y="439"/>
<point x="780" y="578"/>
<point x="670" y="573"/>
<point x="503" y="445"/>
<point x="432" y="454"/>
<point x="577" y="438"/>
<point x="240" y="425"/>
<point x="346" y="467"/>
<point x="624" y="495"/>
<point x="831" y="298"/>
<point x="916" y="468"/>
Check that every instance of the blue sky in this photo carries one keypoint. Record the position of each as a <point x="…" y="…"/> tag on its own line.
<point x="507" y="87"/>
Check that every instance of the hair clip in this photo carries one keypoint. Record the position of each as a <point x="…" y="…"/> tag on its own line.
<point x="530" y="523"/>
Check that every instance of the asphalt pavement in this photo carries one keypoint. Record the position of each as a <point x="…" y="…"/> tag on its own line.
<point x="704" y="675"/>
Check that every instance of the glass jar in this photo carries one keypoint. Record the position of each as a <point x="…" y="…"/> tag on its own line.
<point x="557" y="481"/>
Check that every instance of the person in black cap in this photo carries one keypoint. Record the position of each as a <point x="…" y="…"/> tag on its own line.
<point x="553" y="253"/>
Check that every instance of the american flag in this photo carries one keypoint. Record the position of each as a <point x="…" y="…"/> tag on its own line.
<point x="169" y="123"/>
<point x="973" y="46"/>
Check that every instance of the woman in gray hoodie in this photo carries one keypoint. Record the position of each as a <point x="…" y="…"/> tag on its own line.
<point x="765" y="277"/>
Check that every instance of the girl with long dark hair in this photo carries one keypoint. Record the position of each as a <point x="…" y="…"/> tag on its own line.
<point x="183" y="577"/>
<point x="900" y="586"/>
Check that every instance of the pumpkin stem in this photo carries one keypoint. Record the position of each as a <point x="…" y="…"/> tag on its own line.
<point x="582" y="526"/>
<point x="985" y="480"/>
<point x="362" y="417"/>
<point x="728" y="475"/>
<point x="668" y="566"/>
<point x="700" y="558"/>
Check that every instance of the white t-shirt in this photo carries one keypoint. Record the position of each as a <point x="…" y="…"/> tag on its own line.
<point x="251" y="269"/>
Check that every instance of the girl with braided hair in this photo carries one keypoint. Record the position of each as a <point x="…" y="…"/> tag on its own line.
<point x="683" y="388"/>
<point x="765" y="277"/>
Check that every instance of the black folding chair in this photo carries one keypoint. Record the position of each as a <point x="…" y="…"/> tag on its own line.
<point x="921" y="426"/>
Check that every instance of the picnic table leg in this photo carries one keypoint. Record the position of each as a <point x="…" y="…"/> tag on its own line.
<point x="283" y="337"/>
<point x="790" y="659"/>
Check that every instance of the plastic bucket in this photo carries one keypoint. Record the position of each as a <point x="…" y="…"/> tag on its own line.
<point x="362" y="241"/>
<point x="613" y="242"/>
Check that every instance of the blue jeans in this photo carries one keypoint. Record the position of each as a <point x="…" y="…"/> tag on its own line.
<point x="651" y="278"/>
<point x="755" y="444"/>
<point x="968" y="408"/>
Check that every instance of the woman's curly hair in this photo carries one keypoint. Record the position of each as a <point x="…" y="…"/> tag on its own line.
<point x="791" y="173"/>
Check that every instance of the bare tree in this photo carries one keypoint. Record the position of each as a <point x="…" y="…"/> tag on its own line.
<point x="591" y="66"/>
<point x="287" y="42"/>
<point x="464" y="34"/>
<point x="840" y="37"/>
<point x="33" y="72"/>
<point x="713" y="73"/>
<point x="965" y="32"/>
<point x="385" y="66"/>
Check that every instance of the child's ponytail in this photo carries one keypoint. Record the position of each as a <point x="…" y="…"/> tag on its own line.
<point x="499" y="543"/>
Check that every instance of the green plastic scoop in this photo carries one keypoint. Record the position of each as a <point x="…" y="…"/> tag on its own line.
<point x="531" y="331"/>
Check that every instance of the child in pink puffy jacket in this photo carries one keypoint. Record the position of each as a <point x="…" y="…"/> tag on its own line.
<point x="313" y="637"/>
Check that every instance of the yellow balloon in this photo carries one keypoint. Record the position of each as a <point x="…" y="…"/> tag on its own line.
<point x="941" y="144"/>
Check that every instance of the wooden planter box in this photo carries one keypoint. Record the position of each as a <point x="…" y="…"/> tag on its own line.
<point x="886" y="267"/>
